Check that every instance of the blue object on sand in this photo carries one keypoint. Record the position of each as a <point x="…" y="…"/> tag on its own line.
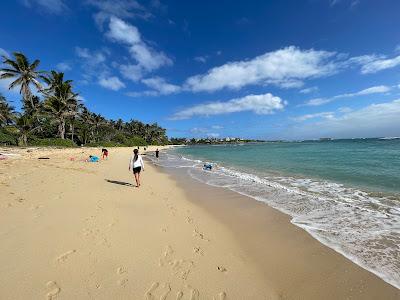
<point x="94" y="159"/>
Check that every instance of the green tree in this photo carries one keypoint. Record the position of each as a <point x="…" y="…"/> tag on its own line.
<point x="24" y="73"/>
<point x="7" y="114"/>
<point x="61" y="101"/>
<point x="26" y="126"/>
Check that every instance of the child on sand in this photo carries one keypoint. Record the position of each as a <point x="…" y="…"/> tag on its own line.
<point x="136" y="164"/>
<point x="104" y="153"/>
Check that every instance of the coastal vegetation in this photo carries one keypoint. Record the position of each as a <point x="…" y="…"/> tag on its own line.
<point x="212" y="141"/>
<point x="53" y="114"/>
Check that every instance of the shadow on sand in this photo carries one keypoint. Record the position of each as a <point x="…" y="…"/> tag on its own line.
<point x="119" y="182"/>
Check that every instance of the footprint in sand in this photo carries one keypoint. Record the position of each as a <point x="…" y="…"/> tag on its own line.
<point x="189" y="220"/>
<point x="149" y="293"/>
<point x="63" y="257"/>
<point x="222" y="269"/>
<point x="121" y="270"/>
<point x="54" y="290"/>
<point x="199" y="235"/>
<point x="220" y="296"/>
<point x="123" y="281"/>
<point x="180" y="267"/>
<point x="194" y="293"/>
<point x="198" y="250"/>
<point x="155" y="291"/>
<point x="166" y="257"/>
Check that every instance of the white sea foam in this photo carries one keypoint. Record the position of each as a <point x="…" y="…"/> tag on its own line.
<point x="362" y="227"/>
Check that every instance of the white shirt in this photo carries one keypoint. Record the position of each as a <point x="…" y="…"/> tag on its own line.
<point x="137" y="163"/>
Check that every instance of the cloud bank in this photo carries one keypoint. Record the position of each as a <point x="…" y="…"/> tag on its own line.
<point x="286" y="67"/>
<point x="368" y="91"/>
<point x="259" y="104"/>
<point x="375" y="120"/>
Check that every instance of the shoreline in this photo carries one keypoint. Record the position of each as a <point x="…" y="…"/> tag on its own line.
<point x="236" y="209"/>
<point x="75" y="230"/>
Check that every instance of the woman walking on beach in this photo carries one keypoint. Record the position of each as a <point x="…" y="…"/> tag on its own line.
<point x="136" y="164"/>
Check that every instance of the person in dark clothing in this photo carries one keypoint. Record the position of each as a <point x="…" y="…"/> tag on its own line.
<point x="105" y="153"/>
<point x="157" y="153"/>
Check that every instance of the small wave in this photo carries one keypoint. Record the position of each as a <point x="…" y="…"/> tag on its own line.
<point x="364" y="228"/>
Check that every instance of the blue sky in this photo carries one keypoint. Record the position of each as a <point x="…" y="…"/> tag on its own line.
<point x="260" y="69"/>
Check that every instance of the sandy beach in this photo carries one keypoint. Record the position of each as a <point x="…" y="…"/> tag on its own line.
<point x="76" y="230"/>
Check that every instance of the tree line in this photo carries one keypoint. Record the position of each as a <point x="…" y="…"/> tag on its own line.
<point x="53" y="114"/>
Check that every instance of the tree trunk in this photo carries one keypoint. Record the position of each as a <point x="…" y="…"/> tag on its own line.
<point x="61" y="129"/>
<point x="24" y="139"/>
<point x="72" y="131"/>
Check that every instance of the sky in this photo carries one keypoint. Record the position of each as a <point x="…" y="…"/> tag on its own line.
<point x="289" y="69"/>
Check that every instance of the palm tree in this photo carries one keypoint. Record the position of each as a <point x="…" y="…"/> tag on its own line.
<point x="26" y="126"/>
<point x="53" y="80"/>
<point x="97" y="121"/>
<point x="60" y="103"/>
<point x="24" y="73"/>
<point x="6" y="112"/>
<point x="33" y="107"/>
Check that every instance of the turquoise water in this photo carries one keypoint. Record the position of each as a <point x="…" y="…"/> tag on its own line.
<point x="370" y="164"/>
<point x="345" y="193"/>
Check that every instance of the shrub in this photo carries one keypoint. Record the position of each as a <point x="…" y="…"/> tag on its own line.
<point x="135" y="141"/>
<point x="56" y="142"/>
<point x="8" y="139"/>
<point x="104" y="144"/>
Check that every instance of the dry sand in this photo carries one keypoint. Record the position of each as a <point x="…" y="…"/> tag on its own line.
<point x="76" y="230"/>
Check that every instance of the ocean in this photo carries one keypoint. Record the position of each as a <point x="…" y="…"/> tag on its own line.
<point x="345" y="193"/>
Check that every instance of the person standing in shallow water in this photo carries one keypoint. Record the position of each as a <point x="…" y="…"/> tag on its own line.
<point x="157" y="153"/>
<point x="136" y="165"/>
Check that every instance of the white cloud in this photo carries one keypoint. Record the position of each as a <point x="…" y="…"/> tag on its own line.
<point x="112" y="83"/>
<point x="285" y="67"/>
<point x="326" y="115"/>
<point x="352" y="3"/>
<point x="380" y="89"/>
<point x="217" y="127"/>
<point x="201" y="131"/>
<point x="213" y="134"/>
<point x="63" y="67"/>
<point x="93" y="58"/>
<point x="309" y="90"/>
<point x="56" y="7"/>
<point x="124" y="9"/>
<point x="93" y="65"/>
<point x="161" y="86"/>
<point x="345" y="109"/>
<point x="145" y="56"/>
<point x="375" y="120"/>
<point x="198" y="130"/>
<point x="201" y="59"/>
<point x="5" y="83"/>
<point x="132" y="72"/>
<point x="380" y="64"/>
<point x="259" y="104"/>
